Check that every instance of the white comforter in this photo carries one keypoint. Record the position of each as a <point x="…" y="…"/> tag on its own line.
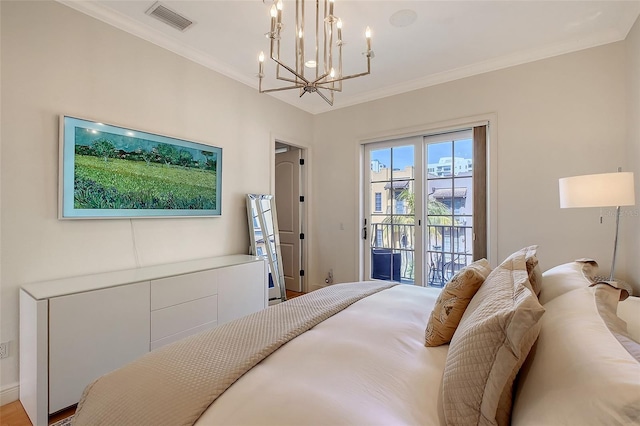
<point x="366" y="365"/>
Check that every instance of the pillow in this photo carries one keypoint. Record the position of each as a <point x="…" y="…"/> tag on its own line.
<point x="490" y="345"/>
<point x="453" y="301"/>
<point x="628" y="310"/>
<point x="580" y="374"/>
<point x="535" y="279"/>
<point x="533" y="269"/>
<point x="607" y="298"/>
<point x="563" y="278"/>
<point x="618" y="285"/>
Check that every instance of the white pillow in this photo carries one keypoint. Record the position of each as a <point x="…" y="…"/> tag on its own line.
<point x="578" y="373"/>
<point x="563" y="278"/>
<point x="629" y="311"/>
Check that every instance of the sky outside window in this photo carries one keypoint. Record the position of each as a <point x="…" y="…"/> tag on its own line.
<point x="403" y="156"/>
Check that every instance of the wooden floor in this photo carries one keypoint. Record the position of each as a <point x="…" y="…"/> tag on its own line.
<point x="292" y="294"/>
<point x="13" y="414"/>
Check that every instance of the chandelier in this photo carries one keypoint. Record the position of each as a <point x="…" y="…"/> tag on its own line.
<point x="324" y="75"/>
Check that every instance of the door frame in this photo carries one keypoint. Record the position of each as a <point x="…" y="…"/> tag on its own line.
<point x="305" y="190"/>
<point x="288" y="170"/>
<point x="488" y="119"/>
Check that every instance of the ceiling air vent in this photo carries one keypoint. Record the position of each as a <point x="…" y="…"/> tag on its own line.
<point x="169" y="17"/>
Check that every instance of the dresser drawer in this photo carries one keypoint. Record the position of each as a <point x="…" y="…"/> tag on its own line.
<point x="179" y="289"/>
<point x="175" y="337"/>
<point x="185" y="316"/>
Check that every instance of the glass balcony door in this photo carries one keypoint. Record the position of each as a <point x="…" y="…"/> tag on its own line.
<point x="420" y="194"/>
<point x="391" y="236"/>
<point x="449" y="193"/>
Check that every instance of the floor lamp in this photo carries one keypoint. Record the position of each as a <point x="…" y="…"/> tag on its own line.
<point x="600" y="190"/>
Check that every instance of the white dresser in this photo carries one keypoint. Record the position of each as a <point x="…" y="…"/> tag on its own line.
<point x="76" y="329"/>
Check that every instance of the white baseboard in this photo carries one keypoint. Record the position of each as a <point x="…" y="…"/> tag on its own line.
<point x="314" y="287"/>
<point x="10" y="393"/>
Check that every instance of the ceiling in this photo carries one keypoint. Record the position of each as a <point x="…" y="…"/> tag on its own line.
<point x="448" y="39"/>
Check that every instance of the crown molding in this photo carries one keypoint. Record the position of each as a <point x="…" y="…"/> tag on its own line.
<point x="628" y="20"/>
<point x="125" y="23"/>
<point x="131" y="26"/>
<point x="478" y="68"/>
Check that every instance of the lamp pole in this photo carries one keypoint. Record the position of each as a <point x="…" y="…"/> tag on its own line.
<point x="615" y="243"/>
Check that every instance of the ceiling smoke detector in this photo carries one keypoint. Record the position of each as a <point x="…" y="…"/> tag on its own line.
<point x="169" y="17"/>
<point x="403" y="18"/>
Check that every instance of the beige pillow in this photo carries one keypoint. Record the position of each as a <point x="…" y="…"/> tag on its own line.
<point x="533" y="269"/>
<point x="566" y="277"/>
<point x="580" y="374"/>
<point x="453" y="301"/>
<point x="492" y="341"/>
<point x="607" y="298"/>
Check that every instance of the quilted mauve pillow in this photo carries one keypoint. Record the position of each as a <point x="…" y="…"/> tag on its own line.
<point x="490" y="345"/>
<point x="453" y="301"/>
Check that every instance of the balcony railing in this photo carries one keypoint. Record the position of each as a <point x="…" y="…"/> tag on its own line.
<point x="393" y="251"/>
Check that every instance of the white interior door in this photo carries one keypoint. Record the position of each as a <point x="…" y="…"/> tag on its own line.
<point x="287" y="171"/>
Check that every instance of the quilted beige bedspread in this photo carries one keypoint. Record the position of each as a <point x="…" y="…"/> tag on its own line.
<point x="175" y="384"/>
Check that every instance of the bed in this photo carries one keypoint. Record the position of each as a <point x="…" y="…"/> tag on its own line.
<point x="363" y="361"/>
<point x="364" y="365"/>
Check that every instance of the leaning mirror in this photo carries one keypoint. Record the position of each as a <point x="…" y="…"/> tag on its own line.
<point x="265" y="241"/>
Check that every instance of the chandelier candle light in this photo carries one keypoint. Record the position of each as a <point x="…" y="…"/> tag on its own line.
<point x="326" y="77"/>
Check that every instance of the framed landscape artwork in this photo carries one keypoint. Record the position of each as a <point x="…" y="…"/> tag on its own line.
<point x="108" y="171"/>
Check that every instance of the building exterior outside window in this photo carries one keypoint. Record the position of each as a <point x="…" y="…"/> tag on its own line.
<point x="420" y="206"/>
<point x="378" y="207"/>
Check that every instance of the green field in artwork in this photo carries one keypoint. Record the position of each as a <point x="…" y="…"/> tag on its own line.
<point x="126" y="184"/>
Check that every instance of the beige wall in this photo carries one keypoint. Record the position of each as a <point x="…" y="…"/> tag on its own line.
<point x="558" y="117"/>
<point x="58" y="61"/>
<point x="631" y="220"/>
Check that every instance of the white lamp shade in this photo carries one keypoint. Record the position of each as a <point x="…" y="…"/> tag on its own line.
<point x="601" y="190"/>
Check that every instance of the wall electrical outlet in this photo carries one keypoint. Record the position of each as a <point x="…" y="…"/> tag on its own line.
<point x="4" y="350"/>
<point x="329" y="279"/>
